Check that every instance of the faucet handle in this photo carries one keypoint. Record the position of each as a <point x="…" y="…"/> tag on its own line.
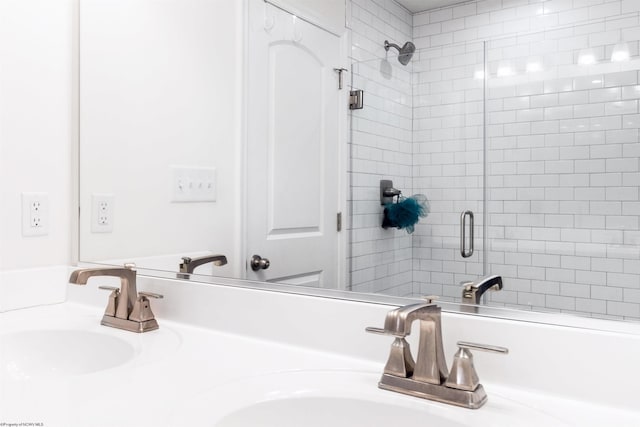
<point x="113" y="299"/>
<point x="482" y="347"/>
<point x="463" y="375"/>
<point x="141" y="311"/>
<point x="151" y="295"/>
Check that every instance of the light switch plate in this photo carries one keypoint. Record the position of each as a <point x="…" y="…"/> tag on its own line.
<point x="193" y="184"/>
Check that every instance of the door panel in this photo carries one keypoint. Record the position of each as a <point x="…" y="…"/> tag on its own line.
<point x="292" y="149"/>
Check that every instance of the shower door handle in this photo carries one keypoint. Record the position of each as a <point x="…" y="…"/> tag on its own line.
<point x="466" y="253"/>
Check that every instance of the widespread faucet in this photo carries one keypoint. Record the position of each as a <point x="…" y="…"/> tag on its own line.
<point x="428" y="377"/>
<point x="188" y="265"/>
<point x="472" y="291"/>
<point x="127" y="308"/>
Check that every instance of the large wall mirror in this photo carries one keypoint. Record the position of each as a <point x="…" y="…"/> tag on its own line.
<point x="220" y="130"/>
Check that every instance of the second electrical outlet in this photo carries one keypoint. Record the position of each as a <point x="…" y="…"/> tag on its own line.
<point x="102" y="208"/>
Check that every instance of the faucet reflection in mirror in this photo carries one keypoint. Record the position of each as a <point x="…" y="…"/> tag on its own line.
<point x="127" y="308"/>
<point x="472" y="292"/>
<point x="428" y="377"/>
<point x="188" y="265"/>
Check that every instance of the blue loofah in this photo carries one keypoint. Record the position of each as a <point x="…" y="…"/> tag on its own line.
<point x="406" y="213"/>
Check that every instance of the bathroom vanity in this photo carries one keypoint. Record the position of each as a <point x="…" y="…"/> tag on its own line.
<point x="238" y="356"/>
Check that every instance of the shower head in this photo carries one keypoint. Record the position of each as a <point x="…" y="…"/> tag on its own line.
<point x="404" y="53"/>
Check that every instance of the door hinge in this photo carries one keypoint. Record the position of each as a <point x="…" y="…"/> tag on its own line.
<point x="355" y="99"/>
<point x="339" y="221"/>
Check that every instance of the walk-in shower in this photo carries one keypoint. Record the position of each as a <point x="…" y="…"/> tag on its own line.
<point x="536" y="134"/>
<point x="404" y="53"/>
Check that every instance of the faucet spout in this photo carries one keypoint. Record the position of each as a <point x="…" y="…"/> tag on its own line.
<point x="472" y="291"/>
<point x="398" y="322"/>
<point x="188" y="265"/>
<point x="430" y="365"/>
<point x="128" y="291"/>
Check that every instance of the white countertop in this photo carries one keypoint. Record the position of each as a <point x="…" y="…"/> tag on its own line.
<point x="184" y="375"/>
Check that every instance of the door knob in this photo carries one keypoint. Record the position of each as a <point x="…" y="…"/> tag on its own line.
<point x="259" y="263"/>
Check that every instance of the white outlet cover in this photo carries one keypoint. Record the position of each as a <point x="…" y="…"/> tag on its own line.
<point x="102" y="212"/>
<point x="193" y="184"/>
<point x="35" y="214"/>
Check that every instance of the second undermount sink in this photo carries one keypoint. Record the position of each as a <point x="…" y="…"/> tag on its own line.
<point x="39" y="354"/>
<point x="341" y="399"/>
<point x="327" y="411"/>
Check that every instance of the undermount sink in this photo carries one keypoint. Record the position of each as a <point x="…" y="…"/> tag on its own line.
<point x="327" y="411"/>
<point x="37" y="354"/>
<point x="341" y="399"/>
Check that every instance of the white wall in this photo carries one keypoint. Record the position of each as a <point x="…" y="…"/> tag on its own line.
<point x="36" y="127"/>
<point x="158" y="86"/>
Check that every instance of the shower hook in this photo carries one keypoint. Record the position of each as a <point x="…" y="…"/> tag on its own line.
<point x="388" y="192"/>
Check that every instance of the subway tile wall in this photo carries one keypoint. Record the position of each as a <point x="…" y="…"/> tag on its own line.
<point x="380" y="147"/>
<point x="448" y="165"/>
<point x="562" y="159"/>
<point x="563" y="151"/>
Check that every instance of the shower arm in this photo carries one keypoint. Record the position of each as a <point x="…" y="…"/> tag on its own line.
<point x="387" y="45"/>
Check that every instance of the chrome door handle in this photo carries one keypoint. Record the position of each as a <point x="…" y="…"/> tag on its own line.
<point x="259" y="263"/>
<point x="463" y="234"/>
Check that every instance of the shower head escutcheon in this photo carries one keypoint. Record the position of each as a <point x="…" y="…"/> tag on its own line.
<point x="404" y="53"/>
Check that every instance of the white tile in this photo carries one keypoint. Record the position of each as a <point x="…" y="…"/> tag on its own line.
<point x="630" y="6"/>
<point x="604" y="10"/>
<point x="548" y="100"/>
<point x="444" y="14"/>
<point x="605" y="151"/>
<point x="560" y="302"/>
<point x="624" y="78"/>
<point x="605" y="95"/>
<point x="555" y="113"/>
<point x="588" y="110"/>
<point x="575" y="97"/>
<point x="574" y="153"/>
<point x="621" y="107"/>
<point x="622" y="165"/>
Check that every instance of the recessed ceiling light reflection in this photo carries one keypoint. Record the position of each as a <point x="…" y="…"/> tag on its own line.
<point x="505" y="70"/>
<point x="534" y="67"/>
<point x="586" y="57"/>
<point x="620" y="53"/>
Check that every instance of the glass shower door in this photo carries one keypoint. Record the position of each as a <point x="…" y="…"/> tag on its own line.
<point x="421" y="126"/>
<point x="448" y="165"/>
<point x="563" y="169"/>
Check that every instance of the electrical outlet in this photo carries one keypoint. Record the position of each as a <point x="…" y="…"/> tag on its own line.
<point x="35" y="214"/>
<point x="102" y="209"/>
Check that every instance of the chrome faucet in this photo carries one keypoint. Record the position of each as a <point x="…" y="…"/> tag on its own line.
<point x="127" y="308"/>
<point x="472" y="291"/>
<point x="188" y="265"/>
<point x="428" y="377"/>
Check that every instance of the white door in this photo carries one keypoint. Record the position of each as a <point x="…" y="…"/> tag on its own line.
<point x="292" y="149"/>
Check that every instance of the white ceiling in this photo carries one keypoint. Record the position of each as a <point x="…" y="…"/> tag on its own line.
<point x="420" y="5"/>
